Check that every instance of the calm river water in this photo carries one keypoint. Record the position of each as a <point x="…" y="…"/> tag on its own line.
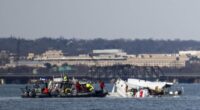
<point x="10" y="100"/>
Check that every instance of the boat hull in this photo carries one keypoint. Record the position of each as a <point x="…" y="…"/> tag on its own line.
<point x="83" y="95"/>
<point x="93" y="94"/>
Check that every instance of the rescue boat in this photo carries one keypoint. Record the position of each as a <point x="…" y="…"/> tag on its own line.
<point x="58" y="88"/>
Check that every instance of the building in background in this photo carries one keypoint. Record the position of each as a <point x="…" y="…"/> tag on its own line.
<point x="4" y="57"/>
<point x="193" y="53"/>
<point x="50" y="55"/>
<point x="160" y="60"/>
<point x="107" y="57"/>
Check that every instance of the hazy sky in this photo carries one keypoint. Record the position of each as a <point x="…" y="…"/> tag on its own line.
<point x="157" y="19"/>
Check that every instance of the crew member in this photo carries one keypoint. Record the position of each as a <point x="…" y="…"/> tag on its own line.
<point x="65" y="78"/>
<point x="46" y="90"/>
<point x="101" y="85"/>
<point x="89" y="87"/>
<point x="78" y="86"/>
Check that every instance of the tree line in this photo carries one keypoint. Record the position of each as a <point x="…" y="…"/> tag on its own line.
<point x="82" y="46"/>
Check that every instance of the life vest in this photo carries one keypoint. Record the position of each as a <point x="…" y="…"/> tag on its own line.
<point x="46" y="91"/>
<point x="89" y="87"/>
<point x="65" y="78"/>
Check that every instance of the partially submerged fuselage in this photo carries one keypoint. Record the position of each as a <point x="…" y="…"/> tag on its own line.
<point x="142" y="88"/>
<point x="122" y="88"/>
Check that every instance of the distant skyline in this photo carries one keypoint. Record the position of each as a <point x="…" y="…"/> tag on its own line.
<point x="109" y="19"/>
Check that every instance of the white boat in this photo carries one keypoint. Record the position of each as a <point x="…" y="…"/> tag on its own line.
<point x="142" y="88"/>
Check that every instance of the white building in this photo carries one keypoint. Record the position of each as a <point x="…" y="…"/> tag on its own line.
<point x="161" y="60"/>
<point x="191" y="52"/>
<point x="109" y="57"/>
<point x="51" y="55"/>
<point x="109" y="53"/>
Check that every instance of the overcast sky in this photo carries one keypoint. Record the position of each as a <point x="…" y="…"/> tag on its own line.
<point x="86" y="19"/>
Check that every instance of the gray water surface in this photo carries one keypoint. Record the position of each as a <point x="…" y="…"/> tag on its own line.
<point x="10" y="100"/>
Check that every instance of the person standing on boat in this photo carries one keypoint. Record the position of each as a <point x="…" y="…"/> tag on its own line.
<point x="78" y="87"/>
<point x="89" y="87"/>
<point x="36" y="87"/>
<point x="101" y="85"/>
<point x="45" y="89"/>
<point x="65" y="84"/>
<point x="65" y="78"/>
